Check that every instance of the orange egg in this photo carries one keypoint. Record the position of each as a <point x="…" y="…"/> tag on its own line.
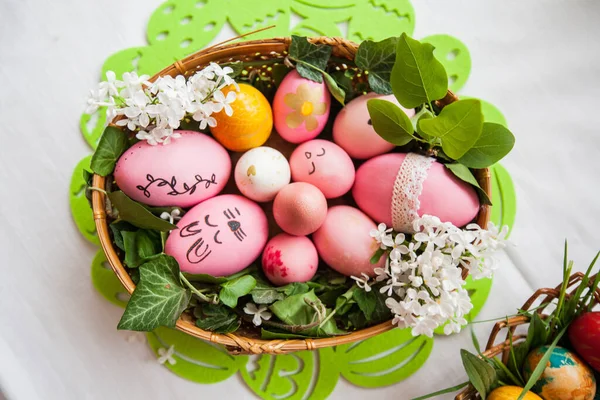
<point x="251" y="123"/>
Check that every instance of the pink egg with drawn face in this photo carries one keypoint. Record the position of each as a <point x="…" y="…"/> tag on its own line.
<point x="182" y="173"/>
<point x="440" y="194"/>
<point x="300" y="208"/>
<point x="300" y="108"/>
<point x="287" y="259"/>
<point x="344" y="243"/>
<point x="353" y="130"/>
<point x="219" y="237"/>
<point x="324" y="164"/>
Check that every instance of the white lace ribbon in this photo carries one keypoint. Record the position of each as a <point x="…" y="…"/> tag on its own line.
<point x="407" y="189"/>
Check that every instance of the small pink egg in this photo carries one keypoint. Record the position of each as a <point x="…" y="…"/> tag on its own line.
<point x="182" y="173"/>
<point x="299" y="208"/>
<point x="325" y="165"/>
<point x="289" y="259"/>
<point x="354" y="132"/>
<point x="219" y="237"/>
<point x="443" y="194"/>
<point x="344" y="243"/>
<point x="300" y="108"/>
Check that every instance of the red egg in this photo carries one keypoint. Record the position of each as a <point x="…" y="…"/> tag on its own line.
<point x="344" y="243"/>
<point x="584" y="334"/>
<point x="287" y="259"/>
<point x="299" y="208"/>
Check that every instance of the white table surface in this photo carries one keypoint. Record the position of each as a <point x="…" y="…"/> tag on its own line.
<point x="538" y="61"/>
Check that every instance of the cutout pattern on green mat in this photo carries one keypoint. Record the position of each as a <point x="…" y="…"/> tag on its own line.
<point x="178" y="28"/>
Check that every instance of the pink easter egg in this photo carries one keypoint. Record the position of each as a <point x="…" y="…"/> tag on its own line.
<point x="325" y="165"/>
<point x="289" y="259"/>
<point x="353" y="130"/>
<point x="182" y="173"/>
<point x="300" y="108"/>
<point x="299" y="208"/>
<point x="344" y="243"/>
<point x="389" y="184"/>
<point x="219" y="237"/>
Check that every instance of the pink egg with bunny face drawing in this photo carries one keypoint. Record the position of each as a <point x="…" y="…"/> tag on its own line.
<point x="219" y="237"/>
<point x="396" y="188"/>
<point x="183" y="173"/>
<point x="325" y="165"/>
<point x="353" y="130"/>
<point x="300" y="108"/>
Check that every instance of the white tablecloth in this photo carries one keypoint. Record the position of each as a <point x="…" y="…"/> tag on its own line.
<point x="538" y="61"/>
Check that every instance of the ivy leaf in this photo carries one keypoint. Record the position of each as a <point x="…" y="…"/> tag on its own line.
<point x="495" y="142"/>
<point x="112" y="144"/>
<point x="378" y="59"/>
<point x="315" y="55"/>
<point x="390" y="122"/>
<point x="463" y="173"/>
<point x="337" y="92"/>
<point x="232" y="290"/>
<point x="136" y="214"/>
<point x="481" y="374"/>
<point x="159" y="299"/>
<point x="417" y="77"/>
<point x="216" y="318"/>
<point x="458" y="127"/>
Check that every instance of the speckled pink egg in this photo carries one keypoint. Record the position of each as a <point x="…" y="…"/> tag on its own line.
<point x="344" y="243"/>
<point x="300" y="108"/>
<point x="443" y="194"/>
<point x="289" y="259"/>
<point x="299" y="208"/>
<point x="219" y="237"/>
<point x="325" y="165"/>
<point x="353" y="131"/>
<point x="182" y="173"/>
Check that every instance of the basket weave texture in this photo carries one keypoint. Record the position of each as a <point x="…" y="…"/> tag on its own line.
<point x="543" y="297"/>
<point x="253" y="51"/>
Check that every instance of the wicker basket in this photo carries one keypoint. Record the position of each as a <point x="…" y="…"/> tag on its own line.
<point x="494" y="349"/>
<point x="255" y="51"/>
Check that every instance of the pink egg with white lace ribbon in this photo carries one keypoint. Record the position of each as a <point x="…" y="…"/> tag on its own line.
<point x="300" y="108"/>
<point x="397" y="188"/>
<point x="219" y="237"/>
<point x="353" y="130"/>
<point x="188" y="170"/>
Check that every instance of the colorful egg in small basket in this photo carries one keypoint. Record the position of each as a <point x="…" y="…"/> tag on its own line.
<point x="240" y="248"/>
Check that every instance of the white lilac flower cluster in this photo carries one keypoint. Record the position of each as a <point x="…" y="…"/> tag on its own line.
<point x="155" y="109"/>
<point x="422" y="277"/>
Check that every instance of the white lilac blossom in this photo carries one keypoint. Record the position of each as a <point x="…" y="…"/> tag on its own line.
<point x="260" y="313"/>
<point x="166" y="355"/>
<point x="173" y="216"/>
<point x="422" y="275"/>
<point x="154" y="109"/>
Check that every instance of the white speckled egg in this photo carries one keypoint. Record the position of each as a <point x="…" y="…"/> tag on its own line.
<point x="261" y="173"/>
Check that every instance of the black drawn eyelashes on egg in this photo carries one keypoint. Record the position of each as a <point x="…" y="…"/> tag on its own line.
<point x="208" y="223"/>
<point x="190" y="229"/>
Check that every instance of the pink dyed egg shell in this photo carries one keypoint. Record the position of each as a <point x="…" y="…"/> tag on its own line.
<point x="344" y="243"/>
<point x="300" y="108"/>
<point x="182" y="173"/>
<point x="443" y="194"/>
<point x="219" y="237"/>
<point x="353" y="131"/>
<point x="324" y="164"/>
<point x="289" y="259"/>
<point x="300" y="208"/>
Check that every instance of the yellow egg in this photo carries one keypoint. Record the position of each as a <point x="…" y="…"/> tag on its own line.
<point x="511" y="393"/>
<point x="251" y="123"/>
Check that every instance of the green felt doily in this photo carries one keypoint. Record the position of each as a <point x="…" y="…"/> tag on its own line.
<point x="180" y="27"/>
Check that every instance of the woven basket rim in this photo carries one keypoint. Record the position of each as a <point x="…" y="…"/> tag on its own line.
<point x="240" y="344"/>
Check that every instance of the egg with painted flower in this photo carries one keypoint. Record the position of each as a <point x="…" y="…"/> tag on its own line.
<point x="250" y="122"/>
<point x="300" y="108"/>
<point x="325" y="165"/>
<point x="219" y="237"/>
<point x="566" y="376"/>
<point x="287" y="259"/>
<point x="188" y="170"/>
